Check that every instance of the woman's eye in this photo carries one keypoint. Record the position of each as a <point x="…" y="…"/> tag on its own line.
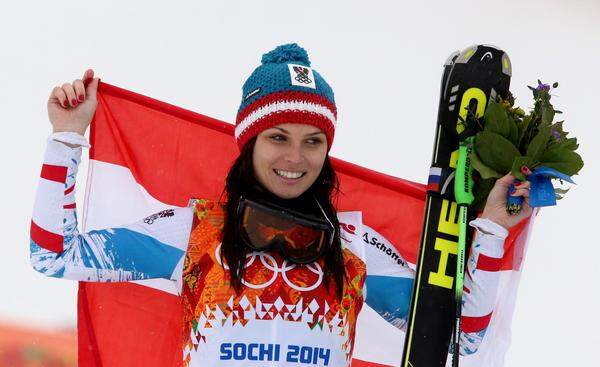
<point x="314" y="141"/>
<point x="277" y="137"/>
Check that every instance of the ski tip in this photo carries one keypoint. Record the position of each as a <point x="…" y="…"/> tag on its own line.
<point x="486" y="53"/>
<point x="492" y="46"/>
<point x="506" y="64"/>
<point x="450" y="60"/>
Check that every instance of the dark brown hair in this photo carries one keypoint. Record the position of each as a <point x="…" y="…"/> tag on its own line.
<point x="242" y="181"/>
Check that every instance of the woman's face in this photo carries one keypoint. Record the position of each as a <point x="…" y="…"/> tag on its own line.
<point x="288" y="158"/>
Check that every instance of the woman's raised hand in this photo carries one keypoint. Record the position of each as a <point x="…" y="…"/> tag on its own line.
<point x="72" y="105"/>
<point x="495" y="207"/>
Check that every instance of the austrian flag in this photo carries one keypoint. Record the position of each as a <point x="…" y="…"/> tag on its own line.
<point x="149" y="158"/>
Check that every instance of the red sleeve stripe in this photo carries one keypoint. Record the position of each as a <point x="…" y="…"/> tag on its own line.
<point x="69" y="206"/>
<point x="487" y="263"/>
<point x="69" y="190"/>
<point x="474" y="324"/>
<point x="54" y="173"/>
<point x="46" y="239"/>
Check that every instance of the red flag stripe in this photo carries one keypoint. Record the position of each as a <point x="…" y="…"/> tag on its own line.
<point x="69" y="206"/>
<point x="46" y="239"/>
<point x="489" y="263"/>
<point x="413" y="189"/>
<point x="164" y="107"/>
<point x="54" y="173"/>
<point x="474" y="324"/>
<point x="433" y="187"/>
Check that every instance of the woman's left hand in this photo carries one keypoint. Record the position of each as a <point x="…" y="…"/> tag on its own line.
<point x="495" y="207"/>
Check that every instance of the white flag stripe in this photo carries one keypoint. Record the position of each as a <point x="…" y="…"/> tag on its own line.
<point x="105" y="207"/>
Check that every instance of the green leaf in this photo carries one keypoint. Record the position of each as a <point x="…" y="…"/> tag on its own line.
<point x="547" y="115"/>
<point x="520" y="162"/>
<point x="514" y="132"/>
<point x="561" y="191"/>
<point x="495" y="151"/>
<point x="537" y="146"/>
<point x="570" y="144"/>
<point x="479" y="166"/>
<point x="523" y="125"/>
<point x="496" y="119"/>
<point x="555" y="85"/>
<point x="562" y="160"/>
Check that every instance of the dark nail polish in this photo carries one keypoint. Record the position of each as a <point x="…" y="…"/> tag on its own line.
<point x="64" y="104"/>
<point x="80" y="98"/>
<point x="74" y="102"/>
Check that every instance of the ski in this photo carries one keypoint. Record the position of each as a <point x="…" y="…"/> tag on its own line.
<point x="470" y="80"/>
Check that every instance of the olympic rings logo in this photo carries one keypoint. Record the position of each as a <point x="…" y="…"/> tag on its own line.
<point x="302" y="75"/>
<point x="270" y="263"/>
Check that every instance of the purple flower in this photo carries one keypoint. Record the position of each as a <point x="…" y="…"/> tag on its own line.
<point x="556" y="135"/>
<point x="543" y="87"/>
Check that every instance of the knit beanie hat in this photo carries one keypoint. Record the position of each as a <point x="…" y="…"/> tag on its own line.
<point x="285" y="89"/>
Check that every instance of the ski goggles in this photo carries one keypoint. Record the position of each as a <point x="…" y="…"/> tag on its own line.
<point x="300" y="238"/>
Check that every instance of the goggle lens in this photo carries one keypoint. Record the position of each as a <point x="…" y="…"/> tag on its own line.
<point x="300" y="239"/>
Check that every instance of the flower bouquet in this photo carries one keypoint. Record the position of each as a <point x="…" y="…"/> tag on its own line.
<point x="531" y="146"/>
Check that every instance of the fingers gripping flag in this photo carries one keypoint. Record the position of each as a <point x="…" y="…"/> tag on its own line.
<point x="148" y="155"/>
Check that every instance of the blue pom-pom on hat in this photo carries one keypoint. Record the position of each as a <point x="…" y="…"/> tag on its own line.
<point x="290" y="52"/>
<point x="285" y="89"/>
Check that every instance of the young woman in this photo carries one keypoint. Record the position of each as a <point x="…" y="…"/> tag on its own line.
<point x="263" y="275"/>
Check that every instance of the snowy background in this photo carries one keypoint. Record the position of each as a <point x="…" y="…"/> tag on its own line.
<point x="384" y="62"/>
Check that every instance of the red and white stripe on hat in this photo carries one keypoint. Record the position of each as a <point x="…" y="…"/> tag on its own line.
<point x="286" y="107"/>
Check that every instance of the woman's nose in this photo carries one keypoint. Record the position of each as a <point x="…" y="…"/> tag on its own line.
<point x="293" y="154"/>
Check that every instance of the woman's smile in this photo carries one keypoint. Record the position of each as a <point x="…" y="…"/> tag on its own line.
<point x="289" y="176"/>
